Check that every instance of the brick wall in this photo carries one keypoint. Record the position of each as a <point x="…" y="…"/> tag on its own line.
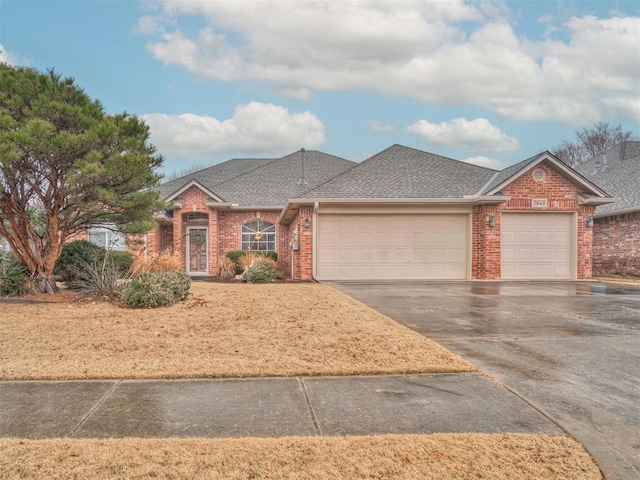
<point x="485" y="252"/>
<point x="303" y="258"/>
<point x="616" y="245"/>
<point x="230" y="228"/>
<point x="561" y="195"/>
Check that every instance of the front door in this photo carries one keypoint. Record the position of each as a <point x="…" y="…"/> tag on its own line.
<point x="197" y="250"/>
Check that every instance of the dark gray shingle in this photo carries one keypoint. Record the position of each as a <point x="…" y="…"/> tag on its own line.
<point x="620" y="178"/>
<point x="403" y="172"/>
<point x="274" y="183"/>
<point x="214" y="175"/>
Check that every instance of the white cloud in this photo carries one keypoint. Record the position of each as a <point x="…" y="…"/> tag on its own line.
<point x="452" y="53"/>
<point x="9" y="58"/>
<point x="381" y="127"/>
<point x="486" y="162"/>
<point x="255" y="127"/>
<point x="475" y="135"/>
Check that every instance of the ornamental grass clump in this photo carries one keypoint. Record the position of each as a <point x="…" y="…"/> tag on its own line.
<point x="155" y="262"/>
<point x="156" y="289"/>
<point x="226" y="269"/>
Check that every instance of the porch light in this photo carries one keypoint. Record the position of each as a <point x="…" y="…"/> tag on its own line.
<point x="589" y="221"/>
<point x="492" y="221"/>
<point x="306" y="223"/>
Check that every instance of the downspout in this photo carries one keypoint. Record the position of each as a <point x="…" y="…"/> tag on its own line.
<point x="314" y="236"/>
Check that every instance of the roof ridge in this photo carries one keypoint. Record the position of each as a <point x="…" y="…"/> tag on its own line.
<point x="444" y="157"/>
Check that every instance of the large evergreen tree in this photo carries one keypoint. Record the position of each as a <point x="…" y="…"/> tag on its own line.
<point x="66" y="165"/>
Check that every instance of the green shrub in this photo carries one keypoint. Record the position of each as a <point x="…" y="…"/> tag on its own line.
<point x="73" y="257"/>
<point x="260" y="272"/>
<point x="236" y="255"/>
<point x="156" y="289"/>
<point x="123" y="261"/>
<point x="14" y="279"/>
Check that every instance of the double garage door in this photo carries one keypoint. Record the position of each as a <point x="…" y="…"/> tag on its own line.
<point x="393" y="247"/>
<point x="534" y="246"/>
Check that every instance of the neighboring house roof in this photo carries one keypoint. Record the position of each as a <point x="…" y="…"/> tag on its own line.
<point x="211" y="176"/>
<point x="616" y="171"/>
<point x="403" y="172"/>
<point x="261" y="182"/>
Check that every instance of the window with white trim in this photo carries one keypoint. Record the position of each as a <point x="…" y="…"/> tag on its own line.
<point x="259" y="235"/>
<point x="107" y="238"/>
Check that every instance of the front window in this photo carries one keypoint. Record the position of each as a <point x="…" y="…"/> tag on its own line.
<point x="107" y="238"/>
<point x="259" y="235"/>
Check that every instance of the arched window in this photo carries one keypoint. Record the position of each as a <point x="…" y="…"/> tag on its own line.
<point x="259" y="235"/>
<point x="196" y="217"/>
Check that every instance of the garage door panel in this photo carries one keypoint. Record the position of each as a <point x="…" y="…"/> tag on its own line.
<point x="392" y="246"/>
<point x="536" y="246"/>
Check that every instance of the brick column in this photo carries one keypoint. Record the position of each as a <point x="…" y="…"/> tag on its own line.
<point x="486" y="243"/>
<point x="305" y="241"/>
<point x="585" y="243"/>
<point x="178" y="237"/>
<point x="213" y="241"/>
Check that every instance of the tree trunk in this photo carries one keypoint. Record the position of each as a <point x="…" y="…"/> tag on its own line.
<point x="47" y="285"/>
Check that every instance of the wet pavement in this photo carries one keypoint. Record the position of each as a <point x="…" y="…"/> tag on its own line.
<point x="267" y="407"/>
<point x="571" y="350"/>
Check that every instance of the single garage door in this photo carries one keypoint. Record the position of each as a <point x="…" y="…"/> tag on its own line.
<point x="392" y="247"/>
<point x="536" y="246"/>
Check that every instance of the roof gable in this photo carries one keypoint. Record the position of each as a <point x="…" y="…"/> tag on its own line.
<point x="509" y="174"/>
<point x="197" y="184"/>
<point x="211" y="176"/>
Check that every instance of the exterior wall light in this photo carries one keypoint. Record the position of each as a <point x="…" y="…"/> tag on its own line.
<point x="492" y="221"/>
<point x="589" y="221"/>
<point x="306" y="223"/>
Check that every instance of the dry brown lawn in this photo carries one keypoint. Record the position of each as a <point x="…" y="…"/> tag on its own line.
<point x="223" y="330"/>
<point x="620" y="280"/>
<point x="390" y="457"/>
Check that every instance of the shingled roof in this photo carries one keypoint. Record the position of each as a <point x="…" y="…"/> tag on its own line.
<point x="263" y="182"/>
<point x="216" y="174"/>
<point x="403" y="172"/>
<point x="617" y="171"/>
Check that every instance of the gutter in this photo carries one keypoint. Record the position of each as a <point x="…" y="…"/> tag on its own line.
<point x="618" y="212"/>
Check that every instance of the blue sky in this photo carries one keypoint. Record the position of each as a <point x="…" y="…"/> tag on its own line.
<point x="486" y="81"/>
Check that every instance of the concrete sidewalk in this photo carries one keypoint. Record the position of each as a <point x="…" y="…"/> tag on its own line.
<point x="265" y="407"/>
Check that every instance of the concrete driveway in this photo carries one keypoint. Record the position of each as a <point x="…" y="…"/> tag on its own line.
<point x="570" y="350"/>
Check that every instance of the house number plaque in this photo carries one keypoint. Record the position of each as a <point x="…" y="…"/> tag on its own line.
<point x="539" y="203"/>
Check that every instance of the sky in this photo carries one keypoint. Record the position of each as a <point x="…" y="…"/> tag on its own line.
<point x="491" y="82"/>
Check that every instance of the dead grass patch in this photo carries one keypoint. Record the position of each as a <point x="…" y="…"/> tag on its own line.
<point x="223" y="330"/>
<point x="440" y="456"/>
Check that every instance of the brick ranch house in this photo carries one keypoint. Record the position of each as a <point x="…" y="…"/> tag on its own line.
<point x="401" y="214"/>
<point x="616" y="243"/>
